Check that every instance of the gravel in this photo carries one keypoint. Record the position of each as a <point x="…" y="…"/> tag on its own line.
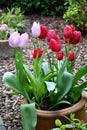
<point x="10" y="104"/>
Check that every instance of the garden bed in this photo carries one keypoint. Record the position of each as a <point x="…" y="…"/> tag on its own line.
<point x="10" y="104"/>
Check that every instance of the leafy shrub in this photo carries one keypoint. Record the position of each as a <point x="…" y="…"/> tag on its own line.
<point x="46" y="7"/>
<point x="13" y="18"/>
<point x="75" y="124"/>
<point x="77" y="14"/>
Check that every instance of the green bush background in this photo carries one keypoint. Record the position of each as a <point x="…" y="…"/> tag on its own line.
<point x="44" y="7"/>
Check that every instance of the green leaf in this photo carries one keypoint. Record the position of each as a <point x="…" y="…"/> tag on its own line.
<point x="45" y="68"/>
<point x="62" y="69"/>
<point x="12" y="82"/>
<point x="29" y="116"/>
<point x="77" y="90"/>
<point x="50" y="86"/>
<point x="81" y="72"/>
<point x="65" y="85"/>
<point x="31" y="77"/>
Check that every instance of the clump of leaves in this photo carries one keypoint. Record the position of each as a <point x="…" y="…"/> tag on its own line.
<point x="76" y="14"/>
<point x="13" y="18"/>
<point x="75" y="124"/>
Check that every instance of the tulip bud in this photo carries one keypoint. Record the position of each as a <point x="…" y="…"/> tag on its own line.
<point x="52" y="34"/>
<point x="43" y="32"/>
<point x="68" y="32"/>
<point x="35" y="29"/>
<point x="76" y="37"/>
<point x="39" y="52"/>
<point x="60" y="55"/>
<point x="14" y="39"/>
<point x="71" y="56"/>
<point x="55" y="45"/>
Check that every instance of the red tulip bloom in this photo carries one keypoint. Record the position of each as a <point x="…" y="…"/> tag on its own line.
<point x="60" y="55"/>
<point x="76" y="37"/>
<point x="55" y="45"/>
<point x="52" y="34"/>
<point x="43" y="32"/>
<point x="68" y="31"/>
<point x="71" y="56"/>
<point x="39" y="52"/>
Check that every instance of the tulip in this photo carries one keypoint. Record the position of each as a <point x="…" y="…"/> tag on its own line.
<point x="68" y="32"/>
<point x="43" y="32"/>
<point x="55" y="45"/>
<point x="59" y="55"/>
<point x="14" y="39"/>
<point x="39" y="52"/>
<point x="2" y="28"/>
<point x="71" y="56"/>
<point x="76" y="37"/>
<point x="5" y="26"/>
<point x="17" y="40"/>
<point x="52" y="34"/>
<point x="24" y="40"/>
<point x="35" y="29"/>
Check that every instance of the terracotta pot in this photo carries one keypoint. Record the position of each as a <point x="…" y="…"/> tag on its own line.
<point x="5" y="50"/>
<point x="46" y="119"/>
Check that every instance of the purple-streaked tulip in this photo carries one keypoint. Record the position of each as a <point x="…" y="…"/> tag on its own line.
<point x="14" y="39"/>
<point x="24" y="40"/>
<point x="35" y="29"/>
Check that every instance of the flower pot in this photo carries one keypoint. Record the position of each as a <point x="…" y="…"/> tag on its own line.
<point x="46" y="119"/>
<point x="5" y="50"/>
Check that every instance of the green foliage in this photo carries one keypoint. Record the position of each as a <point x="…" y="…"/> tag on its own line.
<point x="35" y="86"/>
<point x="29" y="117"/>
<point x="75" y="124"/>
<point x="4" y="35"/>
<point x="13" y="18"/>
<point x="77" y="14"/>
<point x="46" y="7"/>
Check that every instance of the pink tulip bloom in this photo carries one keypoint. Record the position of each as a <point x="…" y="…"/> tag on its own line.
<point x="2" y="28"/>
<point x="35" y="29"/>
<point x="5" y="26"/>
<point x="24" y="40"/>
<point x="17" y="40"/>
<point x="14" y="39"/>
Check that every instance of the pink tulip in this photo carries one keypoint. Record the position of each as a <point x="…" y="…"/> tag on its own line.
<point x="35" y="29"/>
<point x="24" y="40"/>
<point x="14" y="39"/>
<point x="17" y="40"/>
<point x="5" y="26"/>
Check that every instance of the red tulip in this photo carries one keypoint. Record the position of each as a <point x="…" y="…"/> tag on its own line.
<point x="43" y="32"/>
<point x="39" y="52"/>
<point x="67" y="33"/>
<point x="52" y="34"/>
<point x="76" y="37"/>
<point x="55" y="45"/>
<point x="71" y="56"/>
<point x="60" y="55"/>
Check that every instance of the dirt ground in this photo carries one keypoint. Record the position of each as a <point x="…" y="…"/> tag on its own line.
<point x="10" y="104"/>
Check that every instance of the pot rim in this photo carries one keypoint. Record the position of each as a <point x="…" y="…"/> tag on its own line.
<point x="3" y="41"/>
<point x="79" y="105"/>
